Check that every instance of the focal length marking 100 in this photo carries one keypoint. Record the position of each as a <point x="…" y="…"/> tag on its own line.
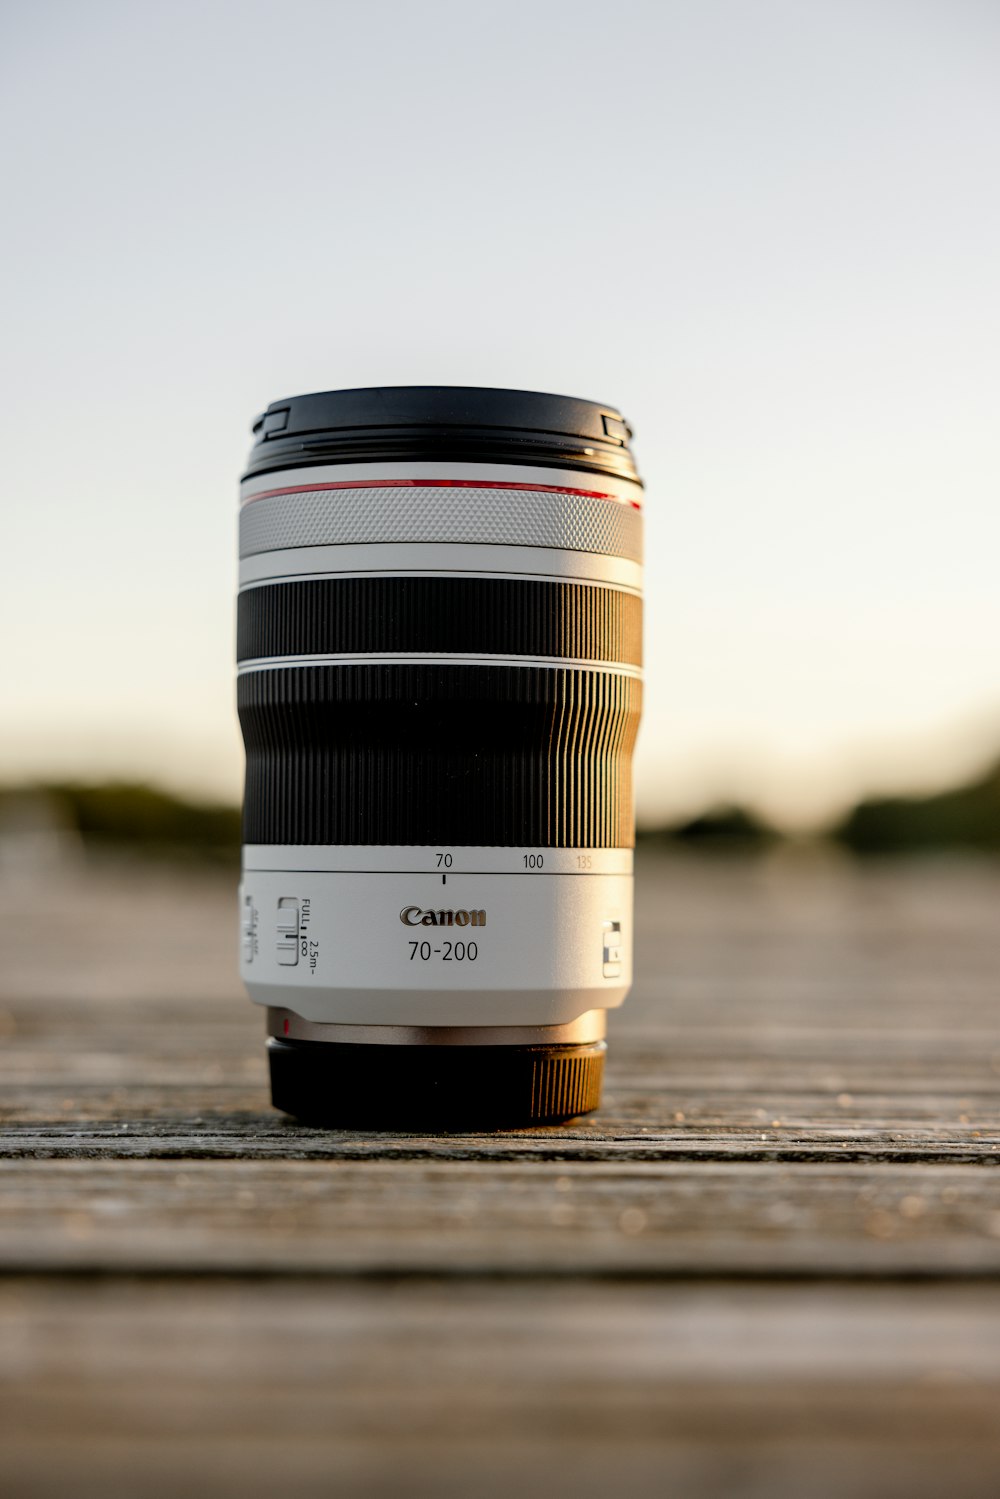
<point x="439" y="643"/>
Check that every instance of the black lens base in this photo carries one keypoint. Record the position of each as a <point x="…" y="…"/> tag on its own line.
<point x="338" y="1085"/>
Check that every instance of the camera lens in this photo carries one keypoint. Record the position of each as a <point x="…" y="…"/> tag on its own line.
<point x="439" y="652"/>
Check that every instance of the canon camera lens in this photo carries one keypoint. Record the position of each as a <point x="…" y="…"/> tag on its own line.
<point x="439" y="645"/>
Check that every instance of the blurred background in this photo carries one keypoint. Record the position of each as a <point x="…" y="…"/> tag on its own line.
<point x="768" y="232"/>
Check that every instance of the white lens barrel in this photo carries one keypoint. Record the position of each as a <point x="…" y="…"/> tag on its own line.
<point x="439" y="685"/>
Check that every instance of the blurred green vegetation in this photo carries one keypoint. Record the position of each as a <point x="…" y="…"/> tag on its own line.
<point x="123" y="816"/>
<point x="965" y="817"/>
<point x="726" y="829"/>
<point x="133" y="817"/>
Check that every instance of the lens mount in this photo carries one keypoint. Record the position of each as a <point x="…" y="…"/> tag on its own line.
<point x="434" y="1087"/>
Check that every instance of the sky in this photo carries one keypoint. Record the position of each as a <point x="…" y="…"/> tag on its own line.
<point x="767" y="230"/>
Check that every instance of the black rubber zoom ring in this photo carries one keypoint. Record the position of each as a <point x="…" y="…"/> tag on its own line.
<point x="495" y="756"/>
<point x="502" y="616"/>
<point x="434" y="1087"/>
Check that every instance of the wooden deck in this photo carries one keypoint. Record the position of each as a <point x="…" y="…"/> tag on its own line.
<point x="768" y="1267"/>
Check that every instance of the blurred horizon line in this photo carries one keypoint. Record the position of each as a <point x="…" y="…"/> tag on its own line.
<point x="50" y="818"/>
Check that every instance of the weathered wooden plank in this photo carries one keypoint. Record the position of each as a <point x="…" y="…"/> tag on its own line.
<point x="804" y="1084"/>
<point x="250" y="1137"/>
<point x="667" y="1095"/>
<point x="897" y="1466"/>
<point x="727" y="1392"/>
<point x="361" y="1217"/>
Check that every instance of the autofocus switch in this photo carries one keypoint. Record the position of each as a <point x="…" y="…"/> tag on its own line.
<point x="612" y="949"/>
<point x="248" y="928"/>
<point x="288" y="931"/>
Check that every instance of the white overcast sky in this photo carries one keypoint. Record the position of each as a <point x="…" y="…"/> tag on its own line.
<point x="769" y="230"/>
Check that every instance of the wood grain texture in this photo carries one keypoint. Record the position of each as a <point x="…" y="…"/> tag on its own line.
<point x="461" y="1388"/>
<point x="768" y="1266"/>
<point x="376" y="1216"/>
